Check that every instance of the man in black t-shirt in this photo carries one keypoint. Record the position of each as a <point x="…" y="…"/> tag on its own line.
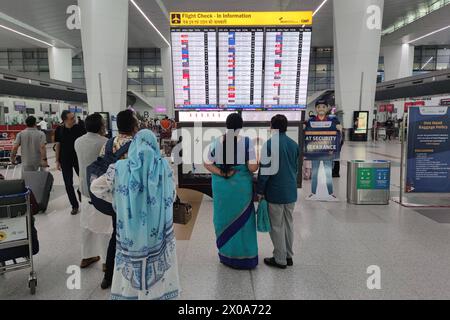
<point x="81" y="122"/>
<point x="66" y="157"/>
<point x="389" y="128"/>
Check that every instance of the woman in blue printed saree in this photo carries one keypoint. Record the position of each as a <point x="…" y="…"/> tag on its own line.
<point x="143" y="196"/>
<point x="232" y="185"/>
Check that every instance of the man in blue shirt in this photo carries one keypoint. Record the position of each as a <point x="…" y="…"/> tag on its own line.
<point x="279" y="188"/>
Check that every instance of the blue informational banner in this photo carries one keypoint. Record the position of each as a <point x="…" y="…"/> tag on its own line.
<point x="428" y="163"/>
<point x="322" y="141"/>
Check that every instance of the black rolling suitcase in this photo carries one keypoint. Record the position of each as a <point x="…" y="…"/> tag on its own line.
<point x="41" y="183"/>
<point x="12" y="187"/>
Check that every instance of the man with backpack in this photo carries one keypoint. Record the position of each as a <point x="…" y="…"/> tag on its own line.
<point x="96" y="227"/>
<point x="128" y="126"/>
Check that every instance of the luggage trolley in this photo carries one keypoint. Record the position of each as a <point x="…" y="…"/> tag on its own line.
<point x="6" y="146"/>
<point x="16" y="231"/>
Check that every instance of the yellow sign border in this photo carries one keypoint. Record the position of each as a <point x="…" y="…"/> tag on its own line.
<point x="257" y="18"/>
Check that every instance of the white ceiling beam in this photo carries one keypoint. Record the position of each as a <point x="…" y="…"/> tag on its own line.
<point x="31" y="32"/>
<point x="133" y="2"/>
<point x="163" y="9"/>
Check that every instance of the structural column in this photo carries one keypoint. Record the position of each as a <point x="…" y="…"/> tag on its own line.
<point x="166" y="64"/>
<point x="357" y="36"/>
<point x="398" y="61"/>
<point x="60" y="64"/>
<point x="104" y="34"/>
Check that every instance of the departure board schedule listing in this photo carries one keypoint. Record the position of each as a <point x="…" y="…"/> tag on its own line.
<point x="194" y="68"/>
<point x="241" y="68"/>
<point x="286" y="67"/>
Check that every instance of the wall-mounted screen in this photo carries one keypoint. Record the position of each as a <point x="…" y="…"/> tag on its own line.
<point x="20" y="106"/>
<point x="46" y="107"/>
<point x="30" y="111"/>
<point x="361" y="122"/>
<point x="240" y="68"/>
<point x="75" y="109"/>
<point x="266" y="116"/>
<point x="194" y="64"/>
<point x="286" y="67"/>
<point x="204" y="116"/>
<point x="54" y="108"/>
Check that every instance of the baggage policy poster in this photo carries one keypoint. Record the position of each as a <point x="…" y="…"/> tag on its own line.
<point x="428" y="166"/>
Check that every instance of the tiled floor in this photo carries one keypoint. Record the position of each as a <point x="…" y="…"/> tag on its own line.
<point x="335" y="244"/>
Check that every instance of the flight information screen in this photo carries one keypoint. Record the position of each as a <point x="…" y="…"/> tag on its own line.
<point x="240" y="67"/>
<point x="194" y="66"/>
<point x="286" y="67"/>
<point x="245" y="68"/>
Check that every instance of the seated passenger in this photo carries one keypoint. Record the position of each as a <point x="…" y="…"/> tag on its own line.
<point x="232" y="186"/>
<point x="143" y="195"/>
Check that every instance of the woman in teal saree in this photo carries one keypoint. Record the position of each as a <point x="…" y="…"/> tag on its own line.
<point x="232" y="185"/>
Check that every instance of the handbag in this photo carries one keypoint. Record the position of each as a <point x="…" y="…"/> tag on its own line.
<point x="182" y="212"/>
<point x="262" y="217"/>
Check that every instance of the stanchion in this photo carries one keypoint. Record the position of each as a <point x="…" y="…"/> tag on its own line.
<point x="403" y="171"/>
<point x="403" y="136"/>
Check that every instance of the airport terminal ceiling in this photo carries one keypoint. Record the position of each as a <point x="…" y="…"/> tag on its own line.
<point x="48" y="18"/>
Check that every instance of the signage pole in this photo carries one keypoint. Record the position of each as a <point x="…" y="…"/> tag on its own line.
<point x="101" y="90"/>
<point x="402" y="158"/>
<point x="361" y="91"/>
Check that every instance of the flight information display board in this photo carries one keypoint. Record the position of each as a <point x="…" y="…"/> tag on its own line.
<point x="194" y="68"/>
<point x="286" y="67"/>
<point x="240" y="67"/>
<point x="244" y="68"/>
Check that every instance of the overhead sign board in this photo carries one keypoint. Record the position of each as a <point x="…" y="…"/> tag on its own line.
<point x="445" y="102"/>
<point x="270" y="18"/>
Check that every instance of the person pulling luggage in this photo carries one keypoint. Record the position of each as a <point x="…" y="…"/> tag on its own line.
<point x="32" y="143"/>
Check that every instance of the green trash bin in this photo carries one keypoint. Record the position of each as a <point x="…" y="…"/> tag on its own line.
<point x="368" y="182"/>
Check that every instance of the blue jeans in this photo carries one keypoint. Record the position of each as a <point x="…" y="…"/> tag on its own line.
<point x="328" y="166"/>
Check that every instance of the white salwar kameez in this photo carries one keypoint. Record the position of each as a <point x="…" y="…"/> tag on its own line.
<point x="96" y="228"/>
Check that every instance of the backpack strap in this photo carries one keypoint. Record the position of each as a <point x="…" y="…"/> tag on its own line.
<point x="247" y="149"/>
<point x="109" y="147"/>
<point x="123" y="149"/>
